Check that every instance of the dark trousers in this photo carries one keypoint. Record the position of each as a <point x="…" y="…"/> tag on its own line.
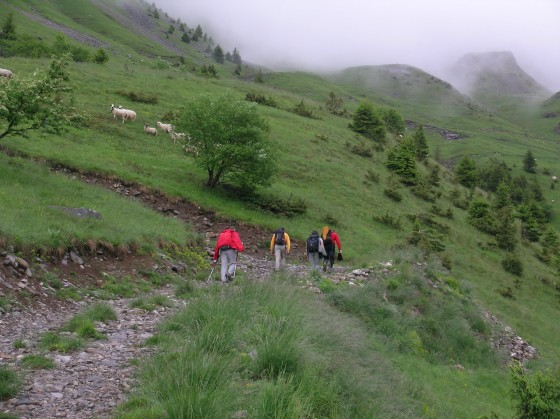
<point x="329" y="259"/>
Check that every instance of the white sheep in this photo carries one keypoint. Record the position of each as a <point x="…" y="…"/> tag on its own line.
<point x="165" y="127"/>
<point x="555" y="179"/>
<point x="129" y="113"/>
<point x="6" y="73"/>
<point x="150" y="130"/>
<point x="119" y="113"/>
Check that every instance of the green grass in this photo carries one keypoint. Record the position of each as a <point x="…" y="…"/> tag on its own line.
<point x="37" y="362"/>
<point x="53" y="341"/>
<point x="151" y="303"/>
<point x="19" y="344"/>
<point x="10" y="383"/>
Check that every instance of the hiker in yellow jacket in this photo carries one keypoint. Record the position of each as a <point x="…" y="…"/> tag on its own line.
<point x="280" y="247"/>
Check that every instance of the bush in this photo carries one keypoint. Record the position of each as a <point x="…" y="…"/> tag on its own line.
<point x="389" y="220"/>
<point x="392" y="193"/>
<point x="101" y="56"/>
<point x="302" y="110"/>
<point x="10" y="383"/>
<point x="512" y="264"/>
<point x="261" y="99"/>
<point x="538" y="395"/>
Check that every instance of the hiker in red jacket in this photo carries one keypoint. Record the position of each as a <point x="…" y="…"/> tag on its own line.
<point x="331" y="241"/>
<point x="227" y="246"/>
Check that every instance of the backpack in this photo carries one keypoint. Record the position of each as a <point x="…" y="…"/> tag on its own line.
<point x="313" y="244"/>
<point x="280" y="238"/>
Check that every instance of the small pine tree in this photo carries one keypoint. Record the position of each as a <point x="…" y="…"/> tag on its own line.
<point x="101" y="56"/>
<point x="366" y="121"/>
<point x="228" y="57"/>
<point x="505" y="229"/>
<point x="218" y="54"/>
<point x="171" y="29"/>
<point x="502" y="197"/>
<point x="334" y="104"/>
<point x="465" y="172"/>
<point x="156" y="14"/>
<point x="185" y="38"/>
<point x="8" y="28"/>
<point x="401" y="159"/>
<point x="235" y="57"/>
<point x="198" y="31"/>
<point x="182" y="27"/>
<point x="421" y="143"/>
<point x="259" y="78"/>
<point x="529" y="163"/>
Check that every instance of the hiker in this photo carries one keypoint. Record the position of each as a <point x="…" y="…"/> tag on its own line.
<point x="330" y="247"/>
<point x="228" y="245"/>
<point x="315" y="249"/>
<point x="280" y="247"/>
<point x="335" y="237"/>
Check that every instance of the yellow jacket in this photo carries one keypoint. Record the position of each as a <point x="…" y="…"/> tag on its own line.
<point x="273" y="242"/>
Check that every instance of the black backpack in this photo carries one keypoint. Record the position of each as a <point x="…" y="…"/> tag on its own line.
<point x="328" y="242"/>
<point x="280" y="238"/>
<point x="313" y="244"/>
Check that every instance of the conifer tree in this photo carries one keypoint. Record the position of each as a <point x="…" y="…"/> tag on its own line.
<point x="401" y="159"/>
<point x="505" y="229"/>
<point x="8" y="28"/>
<point x="185" y="38"/>
<point x="334" y="104"/>
<point x="465" y="172"/>
<point x="529" y="163"/>
<point x="367" y="122"/>
<point x="235" y="57"/>
<point x="218" y="54"/>
<point x="198" y="31"/>
<point x="421" y="143"/>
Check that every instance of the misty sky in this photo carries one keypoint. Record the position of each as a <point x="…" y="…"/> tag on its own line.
<point x="429" y="34"/>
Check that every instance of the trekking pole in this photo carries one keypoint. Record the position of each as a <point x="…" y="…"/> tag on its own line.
<point x="211" y="272"/>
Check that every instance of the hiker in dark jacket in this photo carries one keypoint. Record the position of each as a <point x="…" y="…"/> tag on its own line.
<point x="315" y="249"/>
<point x="330" y="248"/>
<point x="227" y="246"/>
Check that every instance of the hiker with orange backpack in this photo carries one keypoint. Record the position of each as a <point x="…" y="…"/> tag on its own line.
<point x="280" y="247"/>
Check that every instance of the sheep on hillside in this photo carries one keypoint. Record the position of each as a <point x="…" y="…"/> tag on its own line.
<point x="165" y="127"/>
<point x="119" y="113"/>
<point x="150" y="130"/>
<point x="6" y="73"/>
<point x="129" y="113"/>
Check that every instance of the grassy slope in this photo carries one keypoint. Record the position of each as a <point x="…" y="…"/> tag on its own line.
<point x="325" y="174"/>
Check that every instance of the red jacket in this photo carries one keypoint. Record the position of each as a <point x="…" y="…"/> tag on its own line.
<point x="229" y="238"/>
<point x="336" y="239"/>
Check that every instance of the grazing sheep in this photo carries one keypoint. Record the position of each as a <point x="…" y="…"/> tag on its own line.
<point x="6" y="73"/>
<point x="555" y="179"/>
<point x="165" y="127"/>
<point x="119" y="113"/>
<point x="129" y="113"/>
<point x="150" y="130"/>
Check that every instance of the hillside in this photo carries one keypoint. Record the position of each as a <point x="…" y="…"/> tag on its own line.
<point x="420" y="309"/>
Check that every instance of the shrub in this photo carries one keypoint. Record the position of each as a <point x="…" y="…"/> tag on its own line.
<point x="392" y="193"/>
<point x="288" y="207"/>
<point x="161" y="64"/>
<point x="37" y="362"/>
<point x="361" y="149"/>
<point x="389" y="220"/>
<point x="10" y="383"/>
<point x="302" y="110"/>
<point x="538" y="395"/>
<point x="141" y="97"/>
<point x="101" y="56"/>
<point x="261" y="99"/>
<point x="512" y="264"/>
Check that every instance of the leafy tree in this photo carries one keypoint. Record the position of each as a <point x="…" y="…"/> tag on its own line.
<point x="8" y="28"/>
<point x="101" y="56"/>
<point x="218" y="54"/>
<point x="537" y="396"/>
<point x="529" y="163"/>
<point x="37" y="102"/>
<point x="334" y="104"/>
<point x="366" y="121"/>
<point x="421" y="143"/>
<point x="185" y="37"/>
<point x="229" y="136"/>
<point x="401" y="159"/>
<point x="235" y="57"/>
<point x="465" y="172"/>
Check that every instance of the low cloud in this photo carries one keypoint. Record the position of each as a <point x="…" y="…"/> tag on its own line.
<point x="432" y="35"/>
